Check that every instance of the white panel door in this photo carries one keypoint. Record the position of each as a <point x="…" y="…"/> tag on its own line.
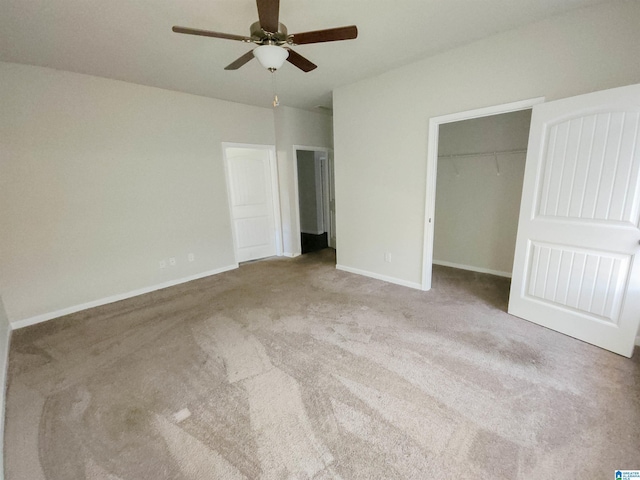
<point x="576" y="268"/>
<point x="251" y="197"/>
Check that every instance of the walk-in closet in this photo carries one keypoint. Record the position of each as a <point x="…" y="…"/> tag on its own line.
<point x="479" y="185"/>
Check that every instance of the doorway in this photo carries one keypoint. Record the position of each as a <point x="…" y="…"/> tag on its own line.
<point x="479" y="186"/>
<point x="314" y="198"/>
<point x="435" y="124"/>
<point x="576" y="266"/>
<point x="253" y="200"/>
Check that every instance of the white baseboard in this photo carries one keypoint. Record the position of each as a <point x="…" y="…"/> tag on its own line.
<point x="115" y="298"/>
<point x="472" y="268"/>
<point x="291" y="255"/>
<point x="377" y="276"/>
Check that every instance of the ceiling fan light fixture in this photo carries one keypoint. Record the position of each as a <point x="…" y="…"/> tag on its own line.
<point x="271" y="57"/>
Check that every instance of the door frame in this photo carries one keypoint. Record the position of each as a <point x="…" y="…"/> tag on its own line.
<point x="325" y="191"/>
<point x="432" y="170"/>
<point x="275" y="191"/>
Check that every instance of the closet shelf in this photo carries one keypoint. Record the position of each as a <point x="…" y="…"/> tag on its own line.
<point x="484" y="154"/>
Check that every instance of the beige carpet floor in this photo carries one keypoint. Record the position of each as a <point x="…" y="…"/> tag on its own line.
<point x="290" y="369"/>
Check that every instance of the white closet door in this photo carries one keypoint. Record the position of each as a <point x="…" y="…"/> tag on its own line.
<point x="576" y="267"/>
<point x="251" y="196"/>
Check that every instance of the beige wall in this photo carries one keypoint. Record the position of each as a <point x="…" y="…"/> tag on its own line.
<point x="477" y="201"/>
<point x="381" y="124"/>
<point x="100" y="180"/>
<point x="295" y="127"/>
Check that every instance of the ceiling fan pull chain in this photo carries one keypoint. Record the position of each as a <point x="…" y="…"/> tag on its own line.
<point x="276" y="102"/>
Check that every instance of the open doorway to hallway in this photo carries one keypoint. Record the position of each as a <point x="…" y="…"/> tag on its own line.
<point x="314" y="199"/>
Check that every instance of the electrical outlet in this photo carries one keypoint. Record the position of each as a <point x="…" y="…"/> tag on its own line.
<point x="191" y="257"/>
<point x="163" y="264"/>
<point x="387" y="257"/>
<point x="172" y="261"/>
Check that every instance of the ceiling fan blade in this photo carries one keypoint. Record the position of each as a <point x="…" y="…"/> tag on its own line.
<point x="268" y="12"/>
<point x="328" y="35"/>
<point x="236" y="64"/>
<point x="300" y="62"/>
<point x="209" y="33"/>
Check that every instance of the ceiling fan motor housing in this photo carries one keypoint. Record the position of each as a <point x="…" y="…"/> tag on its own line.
<point x="262" y="37"/>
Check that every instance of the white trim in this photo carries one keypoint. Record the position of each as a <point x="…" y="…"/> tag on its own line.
<point x="472" y="268"/>
<point x="318" y="166"/>
<point x="377" y="276"/>
<point x="291" y="255"/>
<point x="4" y="369"/>
<point x="115" y="298"/>
<point x="638" y="341"/>
<point x="331" y="195"/>
<point x="432" y="170"/>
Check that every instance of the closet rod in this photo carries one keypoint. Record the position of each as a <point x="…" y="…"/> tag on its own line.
<point x="483" y="154"/>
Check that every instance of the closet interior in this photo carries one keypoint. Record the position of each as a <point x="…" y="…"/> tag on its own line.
<point x="478" y="188"/>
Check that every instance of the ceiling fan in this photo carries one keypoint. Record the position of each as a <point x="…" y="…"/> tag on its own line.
<point x="273" y="40"/>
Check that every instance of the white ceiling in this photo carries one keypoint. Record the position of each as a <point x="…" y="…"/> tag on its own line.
<point x="131" y="40"/>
